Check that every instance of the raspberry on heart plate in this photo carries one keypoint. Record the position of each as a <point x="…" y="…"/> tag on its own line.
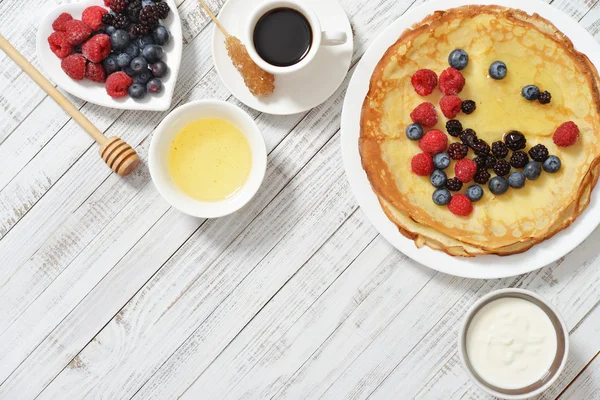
<point x="97" y="48"/>
<point x="117" y="84"/>
<point x="59" y="23"/>
<point x="74" y="66"/>
<point x="92" y="16"/>
<point x="59" y="45"/>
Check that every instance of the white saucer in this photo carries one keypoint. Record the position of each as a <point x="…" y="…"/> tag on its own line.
<point x="298" y="92"/>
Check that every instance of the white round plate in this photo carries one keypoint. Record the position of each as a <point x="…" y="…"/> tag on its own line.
<point x="481" y="267"/>
<point x="298" y="92"/>
<point x="96" y="92"/>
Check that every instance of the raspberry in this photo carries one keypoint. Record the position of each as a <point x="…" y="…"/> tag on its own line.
<point x="433" y="142"/>
<point x="460" y="205"/>
<point x="454" y="185"/>
<point x="77" y="32"/>
<point x="451" y="106"/>
<point x="465" y="170"/>
<point x="92" y="16"/>
<point x="59" y="23"/>
<point x="74" y="66"/>
<point x="454" y="127"/>
<point x="95" y="72"/>
<point x="482" y="176"/>
<point x="452" y="81"/>
<point x="424" y="81"/>
<point x="424" y="115"/>
<point x="458" y="151"/>
<point x="117" y="85"/>
<point x="59" y="45"/>
<point x="421" y="164"/>
<point x="97" y="48"/>
<point x="566" y="134"/>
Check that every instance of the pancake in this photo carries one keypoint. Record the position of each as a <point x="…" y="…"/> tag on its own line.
<point x="536" y="52"/>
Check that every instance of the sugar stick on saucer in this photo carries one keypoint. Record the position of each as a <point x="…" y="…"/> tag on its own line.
<point x="260" y="83"/>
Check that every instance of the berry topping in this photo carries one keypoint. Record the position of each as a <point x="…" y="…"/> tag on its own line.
<point x="92" y="16"/>
<point x="460" y="205"/>
<point x="465" y="170"/>
<point x="97" y="48"/>
<point x="441" y="161"/>
<point x="516" y="180"/>
<point x="451" y="106"/>
<point x="515" y="140"/>
<point x="533" y="170"/>
<point x="499" y="150"/>
<point x="441" y="197"/>
<point x="475" y="193"/>
<point x="422" y="164"/>
<point x="490" y="161"/>
<point x="59" y="45"/>
<point x="566" y="134"/>
<point x="77" y="32"/>
<point x="468" y="137"/>
<point x="95" y="72"/>
<point x="552" y="164"/>
<point x="454" y="127"/>
<point x="424" y="81"/>
<point x="59" y="23"/>
<point x="74" y="66"/>
<point x="458" y="59"/>
<point x="468" y="106"/>
<point x="434" y="142"/>
<point x="482" y="177"/>
<point x="454" y="184"/>
<point x="531" y="92"/>
<point x="519" y="159"/>
<point x="498" y="70"/>
<point x="458" y="151"/>
<point x="502" y="168"/>
<point x="117" y="84"/>
<point x="423" y="115"/>
<point x="414" y="132"/>
<point x="438" y="178"/>
<point x="481" y="148"/>
<point x="545" y="98"/>
<point x="452" y="81"/>
<point x="498" y="185"/>
<point x="538" y="153"/>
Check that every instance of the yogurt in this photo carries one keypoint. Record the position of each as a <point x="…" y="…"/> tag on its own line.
<point x="511" y="343"/>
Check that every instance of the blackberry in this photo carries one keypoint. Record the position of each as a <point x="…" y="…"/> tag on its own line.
<point x="139" y="30"/>
<point x="499" y="149"/>
<point x="490" y="161"/>
<point x="468" y="106"/>
<point x="539" y="153"/>
<point x="162" y="10"/>
<point x="515" y="140"/>
<point x="502" y="168"/>
<point x="481" y="148"/>
<point x="458" y="151"/>
<point x="454" y="185"/>
<point x="454" y="127"/>
<point x="545" y="97"/>
<point x="148" y="16"/>
<point x="482" y="176"/>
<point x="468" y="137"/>
<point x="120" y="21"/>
<point x="133" y="10"/>
<point x="118" y="6"/>
<point x="519" y="159"/>
<point x="108" y="19"/>
<point x="480" y="161"/>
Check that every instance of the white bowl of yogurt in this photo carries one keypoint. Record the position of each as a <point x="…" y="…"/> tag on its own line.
<point x="513" y="344"/>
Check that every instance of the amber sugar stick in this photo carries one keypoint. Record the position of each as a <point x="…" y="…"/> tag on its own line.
<point x="119" y="156"/>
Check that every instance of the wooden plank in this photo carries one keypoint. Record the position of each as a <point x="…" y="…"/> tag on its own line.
<point x="587" y="385"/>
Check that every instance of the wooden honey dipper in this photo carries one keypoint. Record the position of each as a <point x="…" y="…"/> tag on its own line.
<point x="119" y="156"/>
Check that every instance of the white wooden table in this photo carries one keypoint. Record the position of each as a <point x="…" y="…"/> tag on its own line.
<point x="107" y="292"/>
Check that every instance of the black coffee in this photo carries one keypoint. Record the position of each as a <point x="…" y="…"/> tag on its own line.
<point x="283" y="37"/>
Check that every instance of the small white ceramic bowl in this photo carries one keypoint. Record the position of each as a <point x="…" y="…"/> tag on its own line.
<point x="560" y="360"/>
<point x="166" y="132"/>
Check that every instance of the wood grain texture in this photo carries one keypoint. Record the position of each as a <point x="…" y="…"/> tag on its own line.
<point x="115" y="295"/>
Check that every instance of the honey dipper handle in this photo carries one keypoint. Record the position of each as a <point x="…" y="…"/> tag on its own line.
<point x="212" y="16"/>
<point x="52" y="91"/>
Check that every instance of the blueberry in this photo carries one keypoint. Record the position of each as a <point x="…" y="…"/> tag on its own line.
<point x="152" y="53"/>
<point x="154" y="85"/>
<point x="498" y="185"/>
<point x="532" y="170"/>
<point x="132" y="50"/>
<point x="138" y="64"/>
<point x="516" y="180"/>
<point x="110" y="64"/>
<point x="474" y="193"/>
<point x="159" y="69"/>
<point x="441" y="197"/>
<point x="129" y="71"/>
<point x="123" y="60"/>
<point x="458" y="59"/>
<point x="143" y="41"/>
<point x="109" y="30"/>
<point x="531" y="92"/>
<point x="148" y="3"/>
<point x="161" y="35"/>
<point x="119" y="39"/>
<point x="552" y="164"/>
<point x="438" y="178"/>
<point x="137" y="91"/>
<point x="498" y="70"/>
<point x="441" y="160"/>
<point x="414" y="132"/>
<point x="143" y="77"/>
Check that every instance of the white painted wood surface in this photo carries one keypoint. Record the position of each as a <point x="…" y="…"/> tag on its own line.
<point x="107" y="292"/>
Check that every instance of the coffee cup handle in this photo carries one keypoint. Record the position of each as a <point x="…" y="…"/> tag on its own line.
<point x="333" y="38"/>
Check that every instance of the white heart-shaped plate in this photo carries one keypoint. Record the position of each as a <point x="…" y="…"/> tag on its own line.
<point x="95" y="92"/>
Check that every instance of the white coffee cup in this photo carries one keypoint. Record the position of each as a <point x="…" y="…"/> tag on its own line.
<point x="320" y="38"/>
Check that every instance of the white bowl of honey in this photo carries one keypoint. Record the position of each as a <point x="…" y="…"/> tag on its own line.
<point x="208" y="158"/>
